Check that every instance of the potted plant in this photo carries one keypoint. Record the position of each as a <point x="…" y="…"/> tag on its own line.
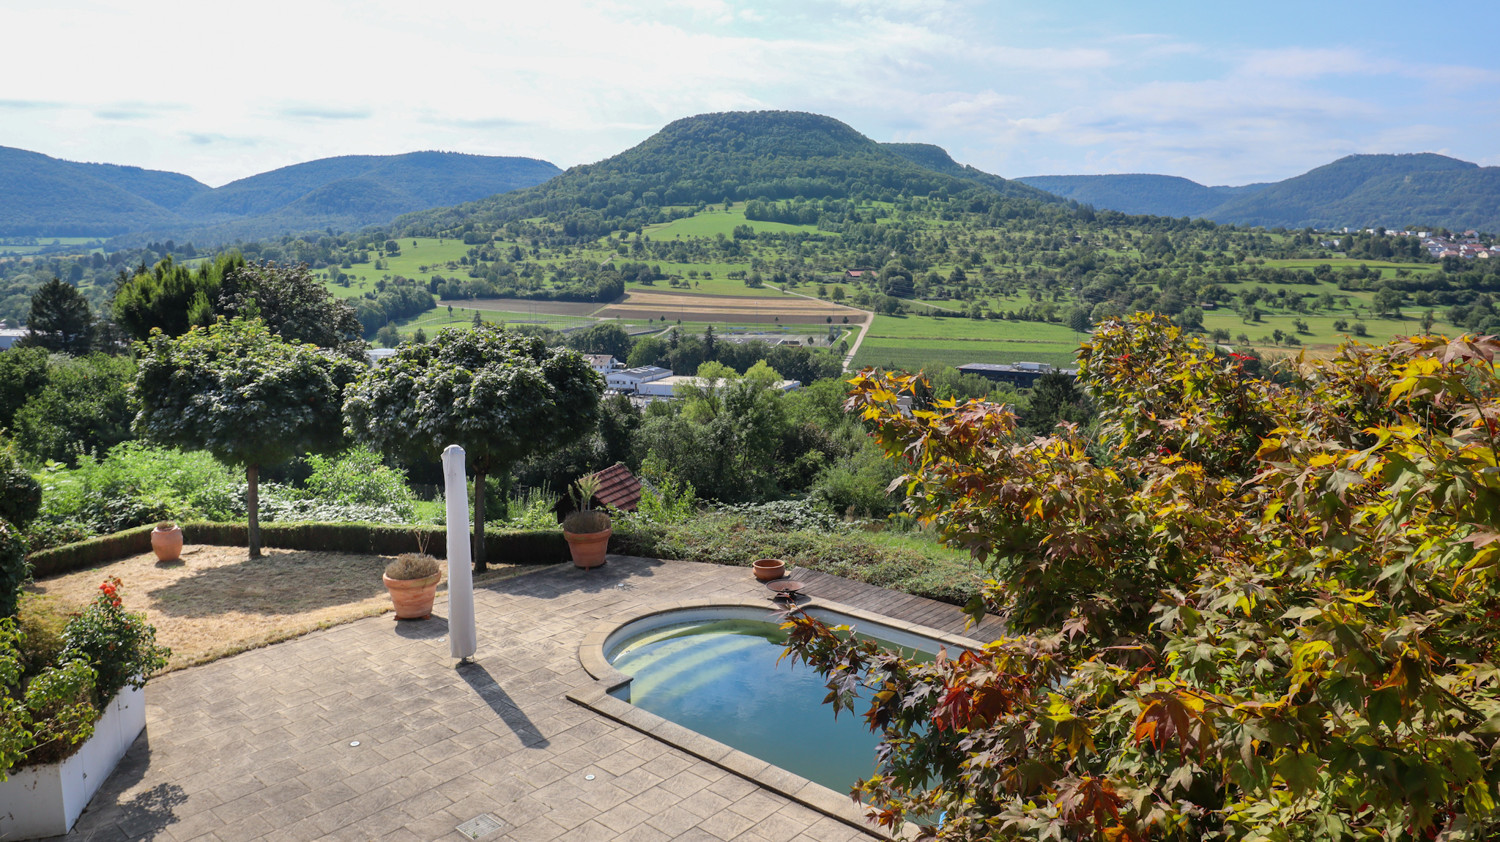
<point x="77" y="704"/>
<point x="412" y="580"/>
<point x="586" y="528"/>
<point x="166" y="541"/>
<point x="767" y="569"/>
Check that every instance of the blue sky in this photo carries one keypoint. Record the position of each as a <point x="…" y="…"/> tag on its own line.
<point x="1220" y="93"/>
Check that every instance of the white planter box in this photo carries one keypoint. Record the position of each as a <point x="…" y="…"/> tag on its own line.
<point x="38" y="801"/>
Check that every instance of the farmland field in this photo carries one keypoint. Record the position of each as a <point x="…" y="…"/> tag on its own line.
<point x="691" y="307"/>
<point x="524" y="305"/>
<point x="915" y="341"/>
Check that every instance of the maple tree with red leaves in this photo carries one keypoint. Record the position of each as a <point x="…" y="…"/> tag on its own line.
<point x="1241" y="607"/>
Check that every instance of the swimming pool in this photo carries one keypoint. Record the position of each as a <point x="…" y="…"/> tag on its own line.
<point x="715" y="670"/>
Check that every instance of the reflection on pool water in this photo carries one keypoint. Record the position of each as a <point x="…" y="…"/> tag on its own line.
<point x="721" y="678"/>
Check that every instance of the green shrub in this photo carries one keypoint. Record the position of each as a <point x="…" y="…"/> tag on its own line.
<point x="83" y="408"/>
<point x="533" y="508"/>
<point x="135" y="485"/>
<point x="41" y="620"/>
<point x="20" y="493"/>
<point x="120" y="646"/>
<point x="857" y="485"/>
<point x="283" y="503"/>
<point x="667" y="500"/>
<point x="538" y="546"/>
<point x="93" y="551"/>
<point x="57" y="673"/>
<point x="913" y="564"/>
<point x="13" y="568"/>
<point x="358" y="477"/>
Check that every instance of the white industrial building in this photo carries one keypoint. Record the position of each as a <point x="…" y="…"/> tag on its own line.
<point x="630" y="379"/>
<point x="667" y="387"/>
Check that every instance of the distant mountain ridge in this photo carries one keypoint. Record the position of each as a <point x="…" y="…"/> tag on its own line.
<point x="1357" y="191"/>
<point x="44" y="196"/>
<point x="734" y="156"/>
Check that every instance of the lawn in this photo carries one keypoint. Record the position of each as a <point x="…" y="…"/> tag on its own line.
<point x="216" y="602"/>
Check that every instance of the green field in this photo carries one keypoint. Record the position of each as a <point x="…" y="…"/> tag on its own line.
<point x="1387" y="268"/>
<point x="86" y="244"/>
<point x="712" y="222"/>
<point x="431" y="252"/>
<point x="957" y="353"/>
<point x="439" y="318"/>
<point x="912" y="341"/>
<point x="1320" y="328"/>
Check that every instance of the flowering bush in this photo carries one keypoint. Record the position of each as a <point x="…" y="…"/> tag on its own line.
<point x="46" y="709"/>
<point x="1253" y="608"/>
<point x="121" y="646"/>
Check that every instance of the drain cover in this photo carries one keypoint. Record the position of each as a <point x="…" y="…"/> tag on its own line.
<point x="481" y="825"/>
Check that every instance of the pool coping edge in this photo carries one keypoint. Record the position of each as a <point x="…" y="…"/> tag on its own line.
<point x="596" y="696"/>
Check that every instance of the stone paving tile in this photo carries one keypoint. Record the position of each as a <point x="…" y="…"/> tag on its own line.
<point x="259" y="745"/>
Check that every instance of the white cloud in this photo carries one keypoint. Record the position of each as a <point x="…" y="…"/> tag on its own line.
<point x="222" y="92"/>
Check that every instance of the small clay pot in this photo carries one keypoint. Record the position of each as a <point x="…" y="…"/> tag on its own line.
<point x="413" y="597"/>
<point x="769" y="568"/>
<point x="166" y="542"/>
<point x="588" y="548"/>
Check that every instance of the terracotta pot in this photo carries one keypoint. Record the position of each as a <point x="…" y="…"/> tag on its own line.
<point x="769" y="568"/>
<point x="588" y="548"/>
<point x="413" y="597"/>
<point x="167" y="543"/>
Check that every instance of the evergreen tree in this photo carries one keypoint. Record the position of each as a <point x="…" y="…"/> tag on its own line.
<point x="60" y="319"/>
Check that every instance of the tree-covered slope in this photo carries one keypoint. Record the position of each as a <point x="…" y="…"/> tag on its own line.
<point x="936" y="158"/>
<point x="44" y="196"/>
<point x="712" y="158"/>
<point x="1366" y="190"/>
<point x="167" y="189"/>
<point x="1139" y="193"/>
<point x="1356" y="191"/>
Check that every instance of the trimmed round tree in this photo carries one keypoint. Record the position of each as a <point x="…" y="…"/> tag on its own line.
<point x="500" y="395"/>
<point x="243" y="394"/>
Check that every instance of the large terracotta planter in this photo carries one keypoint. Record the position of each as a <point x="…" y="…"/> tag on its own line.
<point x="167" y="543"/>
<point x="588" y="548"/>
<point x="769" y="568"/>
<point x="413" y="597"/>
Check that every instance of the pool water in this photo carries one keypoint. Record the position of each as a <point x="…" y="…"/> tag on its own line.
<point x="721" y="679"/>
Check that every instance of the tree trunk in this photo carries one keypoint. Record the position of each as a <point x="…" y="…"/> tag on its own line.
<point x="479" y="521"/>
<point x="252" y="505"/>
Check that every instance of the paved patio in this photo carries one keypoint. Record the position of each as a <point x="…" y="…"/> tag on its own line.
<point x="263" y="745"/>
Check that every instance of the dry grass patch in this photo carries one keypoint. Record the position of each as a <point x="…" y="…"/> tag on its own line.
<point x="216" y="602"/>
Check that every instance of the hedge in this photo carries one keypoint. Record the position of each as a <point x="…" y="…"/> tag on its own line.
<point x="502" y="546"/>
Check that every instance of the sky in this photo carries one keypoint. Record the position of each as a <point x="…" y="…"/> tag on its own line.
<point x="1222" y="93"/>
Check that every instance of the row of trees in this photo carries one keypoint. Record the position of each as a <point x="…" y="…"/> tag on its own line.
<point x="252" y="398"/>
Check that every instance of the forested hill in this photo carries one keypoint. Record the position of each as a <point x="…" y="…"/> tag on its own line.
<point x="1159" y="195"/>
<point x="936" y="158"/>
<point x="44" y="196"/>
<point x="1358" y="191"/>
<point x="711" y="158"/>
<point x="1367" y="190"/>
